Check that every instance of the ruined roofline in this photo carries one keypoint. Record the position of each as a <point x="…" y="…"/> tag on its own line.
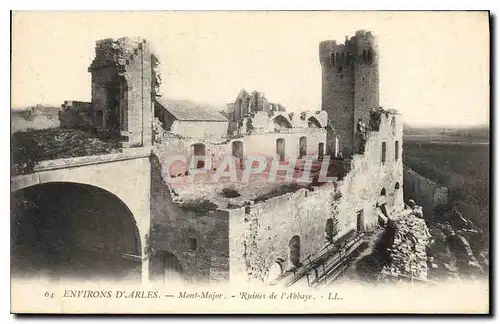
<point x="388" y="111"/>
<point x="361" y="34"/>
<point x="130" y="39"/>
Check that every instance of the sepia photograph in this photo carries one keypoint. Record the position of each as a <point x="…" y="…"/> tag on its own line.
<point x="284" y="162"/>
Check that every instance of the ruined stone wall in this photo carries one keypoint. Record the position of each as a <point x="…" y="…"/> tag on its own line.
<point x="408" y="253"/>
<point x="268" y="226"/>
<point x="258" y="144"/>
<point x="425" y="192"/>
<point x="76" y="114"/>
<point x="173" y="227"/>
<point x="261" y="233"/>
<point x="209" y="130"/>
<point x="126" y="63"/>
<point x="265" y="143"/>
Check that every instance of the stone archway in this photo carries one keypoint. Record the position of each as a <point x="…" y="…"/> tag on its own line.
<point x="282" y="122"/>
<point x="72" y="230"/>
<point x="166" y="268"/>
<point x="313" y="122"/>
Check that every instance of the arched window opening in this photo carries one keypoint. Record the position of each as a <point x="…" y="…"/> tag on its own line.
<point x="302" y="146"/>
<point x="282" y="122"/>
<point x="364" y="56"/>
<point x="332" y="58"/>
<point x="321" y="150"/>
<point x="313" y="122"/>
<point x="396" y="186"/>
<point x="280" y="148"/>
<point x="393" y="125"/>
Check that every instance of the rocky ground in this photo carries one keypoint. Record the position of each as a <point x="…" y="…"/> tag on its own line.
<point x="408" y="253"/>
<point x="412" y="248"/>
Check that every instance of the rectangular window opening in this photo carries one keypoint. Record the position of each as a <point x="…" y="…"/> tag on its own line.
<point x="384" y="151"/>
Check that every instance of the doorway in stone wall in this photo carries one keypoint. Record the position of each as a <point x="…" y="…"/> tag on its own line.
<point x="113" y="113"/>
<point x="166" y="268"/>
<point x="382" y="205"/>
<point x="280" y="148"/>
<point x="237" y="149"/>
<point x="321" y="150"/>
<point x="199" y="151"/>
<point x="360" y="221"/>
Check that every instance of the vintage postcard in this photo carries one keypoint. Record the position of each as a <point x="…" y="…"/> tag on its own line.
<point x="318" y="162"/>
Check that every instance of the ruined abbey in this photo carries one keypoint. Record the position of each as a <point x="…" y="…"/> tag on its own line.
<point x="202" y="231"/>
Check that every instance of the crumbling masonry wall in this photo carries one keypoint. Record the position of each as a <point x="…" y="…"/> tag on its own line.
<point x="260" y="233"/>
<point x="425" y="192"/>
<point x="76" y="114"/>
<point x="123" y="84"/>
<point x="258" y="144"/>
<point x="408" y="253"/>
<point x="174" y="227"/>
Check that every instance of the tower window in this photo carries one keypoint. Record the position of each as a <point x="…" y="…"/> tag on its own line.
<point x="370" y="56"/>
<point x="396" y="150"/>
<point x="393" y="125"/>
<point x="332" y="58"/>
<point x="384" y="152"/>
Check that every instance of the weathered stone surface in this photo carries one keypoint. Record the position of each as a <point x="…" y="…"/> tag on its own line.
<point x="408" y="253"/>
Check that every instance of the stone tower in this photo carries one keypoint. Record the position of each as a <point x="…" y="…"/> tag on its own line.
<point x="124" y="85"/>
<point x="350" y="87"/>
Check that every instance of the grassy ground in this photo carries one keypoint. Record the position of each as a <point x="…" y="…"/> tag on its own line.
<point x="30" y="147"/>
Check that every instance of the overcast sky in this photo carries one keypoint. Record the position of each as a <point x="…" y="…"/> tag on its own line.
<point x="434" y="66"/>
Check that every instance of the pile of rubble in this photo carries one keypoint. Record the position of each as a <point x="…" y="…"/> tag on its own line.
<point x="408" y="256"/>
